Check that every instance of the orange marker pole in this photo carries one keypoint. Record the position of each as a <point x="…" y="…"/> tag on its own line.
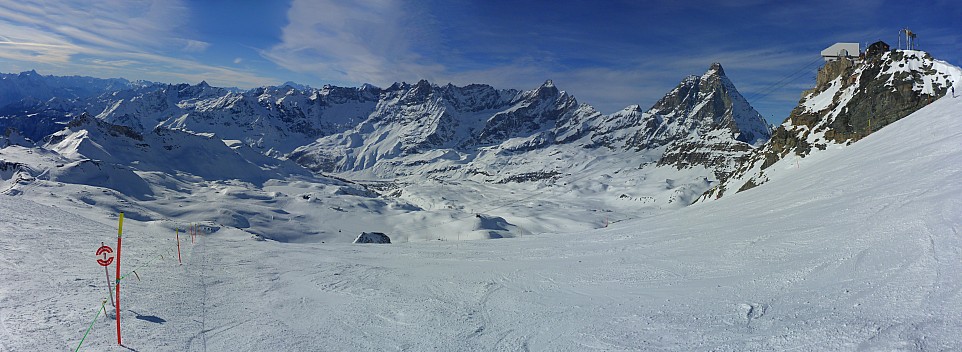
<point x="177" y="233"/>
<point x="120" y="232"/>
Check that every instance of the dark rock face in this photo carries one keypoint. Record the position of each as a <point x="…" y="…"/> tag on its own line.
<point x="884" y="97"/>
<point x="851" y="100"/>
<point x="536" y="110"/>
<point x="718" y="155"/>
<point x="879" y="97"/>
<point x="373" y="237"/>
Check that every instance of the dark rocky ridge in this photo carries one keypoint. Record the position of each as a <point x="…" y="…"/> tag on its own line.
<point x="880" y="90"/>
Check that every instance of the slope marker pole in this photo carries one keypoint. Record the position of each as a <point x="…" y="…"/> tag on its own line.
<point x="120" y="231"/>
<point x="110" y="292"/>
<point x="177" y="233"/>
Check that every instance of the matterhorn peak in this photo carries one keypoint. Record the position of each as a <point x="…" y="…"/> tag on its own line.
<point x="547" y="89"/>
<point x="716" y="69"/>
<point x="29" y="74"/>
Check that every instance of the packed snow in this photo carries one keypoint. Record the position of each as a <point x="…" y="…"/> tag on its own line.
<point x="857" y="249"/>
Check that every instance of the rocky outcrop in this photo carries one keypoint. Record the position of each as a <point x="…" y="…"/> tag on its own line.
<point x="372" y="237"/>
<point x="851" y="100"/>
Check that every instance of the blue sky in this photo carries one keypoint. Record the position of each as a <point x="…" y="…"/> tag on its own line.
<point x="609" y="54"/>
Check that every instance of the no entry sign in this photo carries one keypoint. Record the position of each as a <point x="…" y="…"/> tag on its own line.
<point x="105" y="255"/>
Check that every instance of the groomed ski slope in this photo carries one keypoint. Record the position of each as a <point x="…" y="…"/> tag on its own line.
<point x="858" y="249"/>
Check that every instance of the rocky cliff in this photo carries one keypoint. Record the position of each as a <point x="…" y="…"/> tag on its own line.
<point x="851" y="100"/>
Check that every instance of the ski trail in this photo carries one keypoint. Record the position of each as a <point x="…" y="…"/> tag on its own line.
<point x="197" y="269"/>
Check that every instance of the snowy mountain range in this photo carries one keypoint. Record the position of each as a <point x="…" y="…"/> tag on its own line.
<point x="407" y="141"/>
<point x="407" y="132"/>
<point x="480" y="125"/>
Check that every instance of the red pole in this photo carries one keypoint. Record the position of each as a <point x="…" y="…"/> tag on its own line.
<point x="177" y="233"/>
<point x="120" y="231"/>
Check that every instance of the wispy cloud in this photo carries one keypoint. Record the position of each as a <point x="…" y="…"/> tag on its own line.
<point x="195" y="46"/>
<point x="111" y="37"/>
<point x="355" y="41"/>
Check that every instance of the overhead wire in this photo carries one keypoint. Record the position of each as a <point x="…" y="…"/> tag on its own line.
<point x="800" y="72"/>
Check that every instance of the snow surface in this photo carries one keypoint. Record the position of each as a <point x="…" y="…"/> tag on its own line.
<point x="857" y="250"/>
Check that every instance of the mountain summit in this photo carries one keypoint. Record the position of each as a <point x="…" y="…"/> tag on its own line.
<point x="706" y="122"/>
<point x="708" y="103"/>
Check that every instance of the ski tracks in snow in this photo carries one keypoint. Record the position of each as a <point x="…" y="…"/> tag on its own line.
<point x="489" y="317"/>
<point x="197" y="270"/>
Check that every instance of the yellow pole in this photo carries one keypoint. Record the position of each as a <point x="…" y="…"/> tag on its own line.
<point x="120" y="232"/>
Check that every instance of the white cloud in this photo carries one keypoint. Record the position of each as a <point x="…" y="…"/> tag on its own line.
<point x="137" y="40"/>
<point x="195" y="46"/>
<point x="112" y="63"/>
<point x="238" y="60"/>
<point x="357" y="41"/>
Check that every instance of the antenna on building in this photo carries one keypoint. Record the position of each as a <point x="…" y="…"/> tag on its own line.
<point x="911" y="42"/>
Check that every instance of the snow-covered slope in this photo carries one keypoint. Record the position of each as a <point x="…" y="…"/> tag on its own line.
<point x="851" y="100"/>
<point x="858" y="251"/>
<point x="165" y="173"/>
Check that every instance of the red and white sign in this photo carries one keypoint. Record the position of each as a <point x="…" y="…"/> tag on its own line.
<point x="105" y="255"/>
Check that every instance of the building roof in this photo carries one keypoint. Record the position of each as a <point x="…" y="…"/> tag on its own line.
<point x="841" y="49"/>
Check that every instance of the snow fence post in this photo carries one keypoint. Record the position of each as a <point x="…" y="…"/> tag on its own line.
<point x="120" y="231"/>
<point x="177" y="234"/>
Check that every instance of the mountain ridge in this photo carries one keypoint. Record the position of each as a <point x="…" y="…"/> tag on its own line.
<point x="476" y="132"/>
